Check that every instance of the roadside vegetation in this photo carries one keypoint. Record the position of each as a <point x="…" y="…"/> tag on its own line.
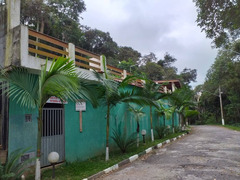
<point x="79" y="170"/>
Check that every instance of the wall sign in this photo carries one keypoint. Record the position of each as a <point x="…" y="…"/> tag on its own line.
<point x="55" y="100"/>
<point x="80" y="106"/>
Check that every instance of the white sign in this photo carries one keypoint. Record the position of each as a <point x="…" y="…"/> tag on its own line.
<point x="81" y="106"/>
<point x="55" y="100"/>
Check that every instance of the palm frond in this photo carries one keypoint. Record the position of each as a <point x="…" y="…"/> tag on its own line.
<point x="21" y="86"/>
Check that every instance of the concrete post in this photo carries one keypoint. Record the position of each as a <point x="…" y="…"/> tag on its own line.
<point x="24" y="45"/>
<point x="13" y="13"/>
<point x="124" y="74"/>
<point x="103" y="62"/>
<point x="71" y="51"/>
<point x="165" y="89"/>
<point x="173" y="87"/>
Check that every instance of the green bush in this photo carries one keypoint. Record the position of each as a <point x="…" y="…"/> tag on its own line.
<point x="123" y="141"/>
<point x="162" y="131"/>
<point x="12" y="169"/>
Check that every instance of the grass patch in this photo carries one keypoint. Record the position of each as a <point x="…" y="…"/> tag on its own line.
<point x="236" y="128"/>
<point x="79" y="170"/>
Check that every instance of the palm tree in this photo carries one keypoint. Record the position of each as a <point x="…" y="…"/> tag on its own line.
<point x="163" y="111"/>
<point x="113" y="93"/>
<point x="180" y="99"/>
<point x="138" y="113"/>
<point x="151" y="90"/>
<point x="31" y="91"/>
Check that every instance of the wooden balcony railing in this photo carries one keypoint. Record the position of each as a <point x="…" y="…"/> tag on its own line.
<point x="44" y="46"/>
<point x="115" y="71"/>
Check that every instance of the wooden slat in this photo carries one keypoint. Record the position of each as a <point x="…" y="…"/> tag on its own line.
<point x="48" y="47"/>
<point x="86" y="66"/>
<point x="79" y="50"/>
<point x="86" y="59"/>
<point x="39" y="52"/>
<point x="115" y="69"/>
<point x="112" y="72"/>
<point x="47" y="38"/>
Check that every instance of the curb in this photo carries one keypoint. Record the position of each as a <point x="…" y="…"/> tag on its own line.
<point x="132" y="158"/>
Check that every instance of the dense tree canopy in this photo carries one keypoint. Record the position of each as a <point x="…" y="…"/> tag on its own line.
<point x="219" y="19"/>
<point x="58" y="18"/>
<point x="224" y="73"/>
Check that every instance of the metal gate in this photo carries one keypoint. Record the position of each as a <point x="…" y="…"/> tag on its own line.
<point x="52" y="134"/>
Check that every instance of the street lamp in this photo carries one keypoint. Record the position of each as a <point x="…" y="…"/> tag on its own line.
<point x="53" y="158"/>
<point x="143" y="132"/>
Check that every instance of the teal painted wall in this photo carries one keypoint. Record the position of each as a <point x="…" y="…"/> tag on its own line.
<point x="21" y="134"/>
<point x="79" y="145"/>
<point x="92" y="140"/>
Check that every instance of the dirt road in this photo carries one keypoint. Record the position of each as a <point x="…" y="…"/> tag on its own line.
<point x="209" y="152"/>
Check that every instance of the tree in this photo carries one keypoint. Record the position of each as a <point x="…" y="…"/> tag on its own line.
<point x="138" y="113"/>
<point x="188" y="75"/>
<point x="219" y="19"/>
<point x="57" y="18"/>
<point x="163" y="111"/>
<point x="151" y="57"/>
<point x="151" y="90"/>
<point x="33" y="91"/>
<point x="99" y="42"/>
<point x="125" y="53"/>
<point x="180" y="100"/>
<point x="153" y="71"/>
<point x="113" y="93"/>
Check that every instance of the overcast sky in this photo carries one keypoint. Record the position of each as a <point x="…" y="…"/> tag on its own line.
<point x="157" y="26"/>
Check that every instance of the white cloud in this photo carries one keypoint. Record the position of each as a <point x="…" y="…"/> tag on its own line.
<point x="154" y="26"/>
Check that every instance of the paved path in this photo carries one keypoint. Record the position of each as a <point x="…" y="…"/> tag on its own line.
<point x="209" y="152"/>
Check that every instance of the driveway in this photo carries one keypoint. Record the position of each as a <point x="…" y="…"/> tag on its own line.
<point x="209" y="152"/>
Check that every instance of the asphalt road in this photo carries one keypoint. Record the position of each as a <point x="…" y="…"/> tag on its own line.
<point x="209" y="152"/>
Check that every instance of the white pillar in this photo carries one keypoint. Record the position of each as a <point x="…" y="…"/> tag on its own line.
<point x="103" y="62"/>
<point x="165" y="89"/>
<point x="13" y="13"/>
<point x="124" y="74"/>
<point x="23" y="45"/>
<point x="71" y="51"/>
<point x="173" y="87"/>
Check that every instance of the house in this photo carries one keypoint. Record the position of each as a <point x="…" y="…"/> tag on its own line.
<point x="76" y="131"/>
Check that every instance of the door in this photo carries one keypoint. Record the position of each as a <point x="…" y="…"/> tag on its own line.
<point x="52" y="134"/>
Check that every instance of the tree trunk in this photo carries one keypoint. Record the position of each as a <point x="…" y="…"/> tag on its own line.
<point x="138" y="134"/>
<point x="173" y="123"/>
<point x="164" y="121"/>
<point x="42" y="26"/>
<point x="152" y="136"/>
<point x="107" y="133"/>
<point x="39" y="136"/>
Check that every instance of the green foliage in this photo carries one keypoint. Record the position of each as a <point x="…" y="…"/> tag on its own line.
<point x="225" y="72"/>
<point x="123" y="141"/>
<point x="162" y="131"/>
<point x="219" y="19"/>
<point x="57" y="18"/>
<point x="12" y="169"/>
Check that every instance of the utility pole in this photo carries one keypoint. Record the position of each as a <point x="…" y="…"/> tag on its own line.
<point x="220" y="97"/>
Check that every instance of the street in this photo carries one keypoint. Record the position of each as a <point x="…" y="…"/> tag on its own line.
<point x="209" y="152"/>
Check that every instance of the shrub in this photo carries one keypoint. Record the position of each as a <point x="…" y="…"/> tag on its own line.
<point x="123" y="141"/>
<point x="12" y="169"/>
<point x="162" y="131"/>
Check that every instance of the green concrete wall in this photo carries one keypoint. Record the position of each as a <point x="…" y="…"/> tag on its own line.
<point x="21" y="134"/>
<point x="79" y="145"/>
